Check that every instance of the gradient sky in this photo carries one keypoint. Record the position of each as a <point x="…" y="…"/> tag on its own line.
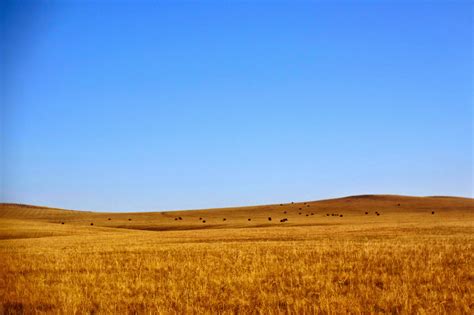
<point x="119" y="106"/>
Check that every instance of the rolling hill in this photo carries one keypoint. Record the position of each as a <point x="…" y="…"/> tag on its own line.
<point x="340" y="211"/>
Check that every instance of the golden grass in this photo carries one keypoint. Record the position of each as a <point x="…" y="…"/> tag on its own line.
<point x="403" y="262"/>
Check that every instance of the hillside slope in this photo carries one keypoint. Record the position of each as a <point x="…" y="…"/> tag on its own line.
<point x="347" y="210"/>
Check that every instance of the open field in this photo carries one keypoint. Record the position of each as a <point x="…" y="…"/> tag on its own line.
<point x="405" y="260"/>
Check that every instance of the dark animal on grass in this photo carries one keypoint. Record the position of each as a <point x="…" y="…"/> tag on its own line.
<point x="341" y="215"/>
<point x="203" y="221"/>
<point x="269" y="218"/>
<point x="92" y="223"/>
<point x="250" y="219"/>
<point x="432" y="212"/>
<point x="62" y="222"/>
<point x="224" y="219"/>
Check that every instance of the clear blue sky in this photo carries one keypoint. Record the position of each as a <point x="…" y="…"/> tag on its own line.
<point x="116" y="106"/>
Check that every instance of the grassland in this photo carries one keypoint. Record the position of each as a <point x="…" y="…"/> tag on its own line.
<point x="404" y="261"/>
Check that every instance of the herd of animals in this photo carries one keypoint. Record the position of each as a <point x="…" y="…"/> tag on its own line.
<point x="283" y="220"/>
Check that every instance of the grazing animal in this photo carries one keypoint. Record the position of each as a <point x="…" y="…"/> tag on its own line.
<point x="299" y="208"/>
<point x="432" y="212"/>
<point x="327" y="214"/>
<point x="176" y="219"/>
<point x="200" y="219"/>
<point x="224" y="219"/>
<point x="109" y="219"/>
<point x="62" y="222"/>
<point x="304" y="203"/>
<point x="284" y="220"/>
<point x="129" y="219"/>
<point x="269" y="218"/>
<point x="312" y="213"/>
<point x="307" y="215"/>
<point x="378" y="213"/>
<point x="292" y="203"/>
<point x="299" y="213"/>
<point x="307" y="205"/>
<point x="281" y="204"/>
<point x="250" y="219"/>
<point x="203" y="221"/>
<point x="179" y="218"/>
<point x="341" y="215"/>
<point x="92" y="223"/>
<point x="284" y="212"/>
<point x="366" y="212"/>
<point x="398" y="205"/>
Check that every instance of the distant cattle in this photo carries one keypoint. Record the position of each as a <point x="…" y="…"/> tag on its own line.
<point x="203" y="221"/>
<point x="62" y="222"/>
<point x="284" y="220"/>
<point x="312" y="213"/>
<point x="129" y="219"/>
<point x="327" y="214"/>
<point x="341" y="215"/>
<point x="176" y="219"/>
<point x="284" y="212"/>
<point x="179" y="218"/>
<point x="432" y="212"/>
<point x="249" y="219"/>
<point x="307" y="215"/>
<point x="366" y="212"/>
<point x="269" y="218"/>
<point x="224" y="219"/>
<point x="200" y="219"/>
<point x="109" y="219"/>
<point x="92" y="223"/>
<point x="299" y="213"/>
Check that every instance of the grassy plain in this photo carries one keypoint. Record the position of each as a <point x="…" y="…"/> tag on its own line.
<point x="404" y="261"/>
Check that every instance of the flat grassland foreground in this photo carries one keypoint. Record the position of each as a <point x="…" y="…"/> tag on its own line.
<point x="405" y="260"/>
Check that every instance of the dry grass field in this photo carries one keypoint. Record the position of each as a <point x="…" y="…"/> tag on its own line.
<point x="405" y="260"/>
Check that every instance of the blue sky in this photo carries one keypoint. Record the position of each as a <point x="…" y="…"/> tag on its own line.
<point x="126" y="106"/>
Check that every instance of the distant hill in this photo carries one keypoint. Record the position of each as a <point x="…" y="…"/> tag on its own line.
<point x="322" y="212"/>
